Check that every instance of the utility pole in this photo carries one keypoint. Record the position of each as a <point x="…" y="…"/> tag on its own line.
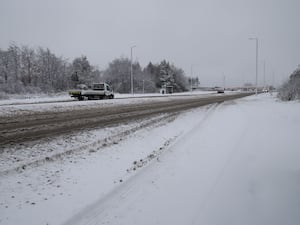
<point x="131" y="76"/>
<point x="256" y="74"/>
<point x="224" y="81"/>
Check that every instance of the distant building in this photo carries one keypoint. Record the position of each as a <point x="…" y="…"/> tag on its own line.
<point x="166" y="89"/>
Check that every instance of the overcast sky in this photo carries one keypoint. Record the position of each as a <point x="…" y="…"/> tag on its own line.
<point x="210" y="34"/>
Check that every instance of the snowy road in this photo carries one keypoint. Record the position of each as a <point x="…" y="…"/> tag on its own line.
<point x="20" y="128"/>
<point x="230" y="163"/>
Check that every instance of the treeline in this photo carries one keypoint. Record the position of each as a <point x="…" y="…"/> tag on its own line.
<point x="27" y="70"/>
<point x="290" y="90"/>
<point x="148" y="79"/>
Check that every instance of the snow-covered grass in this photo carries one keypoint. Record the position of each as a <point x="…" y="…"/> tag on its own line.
<point x="10" y="99"/>
<point x="234" y="163"/>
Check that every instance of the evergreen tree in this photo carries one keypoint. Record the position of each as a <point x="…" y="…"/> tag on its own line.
<point x="166" y="74"/>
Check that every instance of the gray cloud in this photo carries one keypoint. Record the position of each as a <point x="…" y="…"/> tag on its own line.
<point x="210" y="34"/>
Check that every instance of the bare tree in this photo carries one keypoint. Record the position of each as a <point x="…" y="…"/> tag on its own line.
<point x="4" y="67"/>
<point x="24" y="69"/>
<point x="27" y="65"/>
<point x="82" y="68"/>
<point x="118" y="74"/>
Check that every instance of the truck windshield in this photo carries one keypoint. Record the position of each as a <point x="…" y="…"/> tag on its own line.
<point x="98" y="86"/>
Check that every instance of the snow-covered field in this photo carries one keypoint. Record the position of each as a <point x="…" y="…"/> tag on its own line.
<point x="231" y="163"/>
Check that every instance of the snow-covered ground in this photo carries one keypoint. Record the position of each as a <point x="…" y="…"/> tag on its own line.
<point x="63" y="97"/>
<point x="18" y="105"/>
<point x="232" y="163"/>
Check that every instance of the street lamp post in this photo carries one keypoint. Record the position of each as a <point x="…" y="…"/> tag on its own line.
<point x="256" y="39"/>
<point x="264" y="74"/>
<point x="143" y="86"/>
<point x="191" y="77"/>
<point x="192" y="71"/>
<point x="131" y="76"/>
<point x="224" y="81"/>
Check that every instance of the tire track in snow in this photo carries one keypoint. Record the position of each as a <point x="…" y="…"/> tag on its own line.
<point x="38" y="126"/>
<point x="94" y="146"/>
<point x="98" y="212"/>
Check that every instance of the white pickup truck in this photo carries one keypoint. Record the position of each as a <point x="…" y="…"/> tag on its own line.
<point x="98" y="91"/>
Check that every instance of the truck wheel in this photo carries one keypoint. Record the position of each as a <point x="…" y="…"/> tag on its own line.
<point x="111" y="96"/>
<point x="80" y="98"/>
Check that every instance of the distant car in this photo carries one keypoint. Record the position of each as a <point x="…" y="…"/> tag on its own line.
<point x="219" y="90"/>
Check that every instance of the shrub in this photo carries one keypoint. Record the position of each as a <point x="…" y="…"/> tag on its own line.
<point x="290" y="90"/>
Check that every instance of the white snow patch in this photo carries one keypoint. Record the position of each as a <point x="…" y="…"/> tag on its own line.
<point x="235" y="163"/>
<point x="62" y="103"/>
<point x="55" y="191"/>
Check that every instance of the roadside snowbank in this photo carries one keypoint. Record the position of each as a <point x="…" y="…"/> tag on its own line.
<point x="55" y="190"/>
<point x="234" y="163"/>
<point x="239" y="166"/>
